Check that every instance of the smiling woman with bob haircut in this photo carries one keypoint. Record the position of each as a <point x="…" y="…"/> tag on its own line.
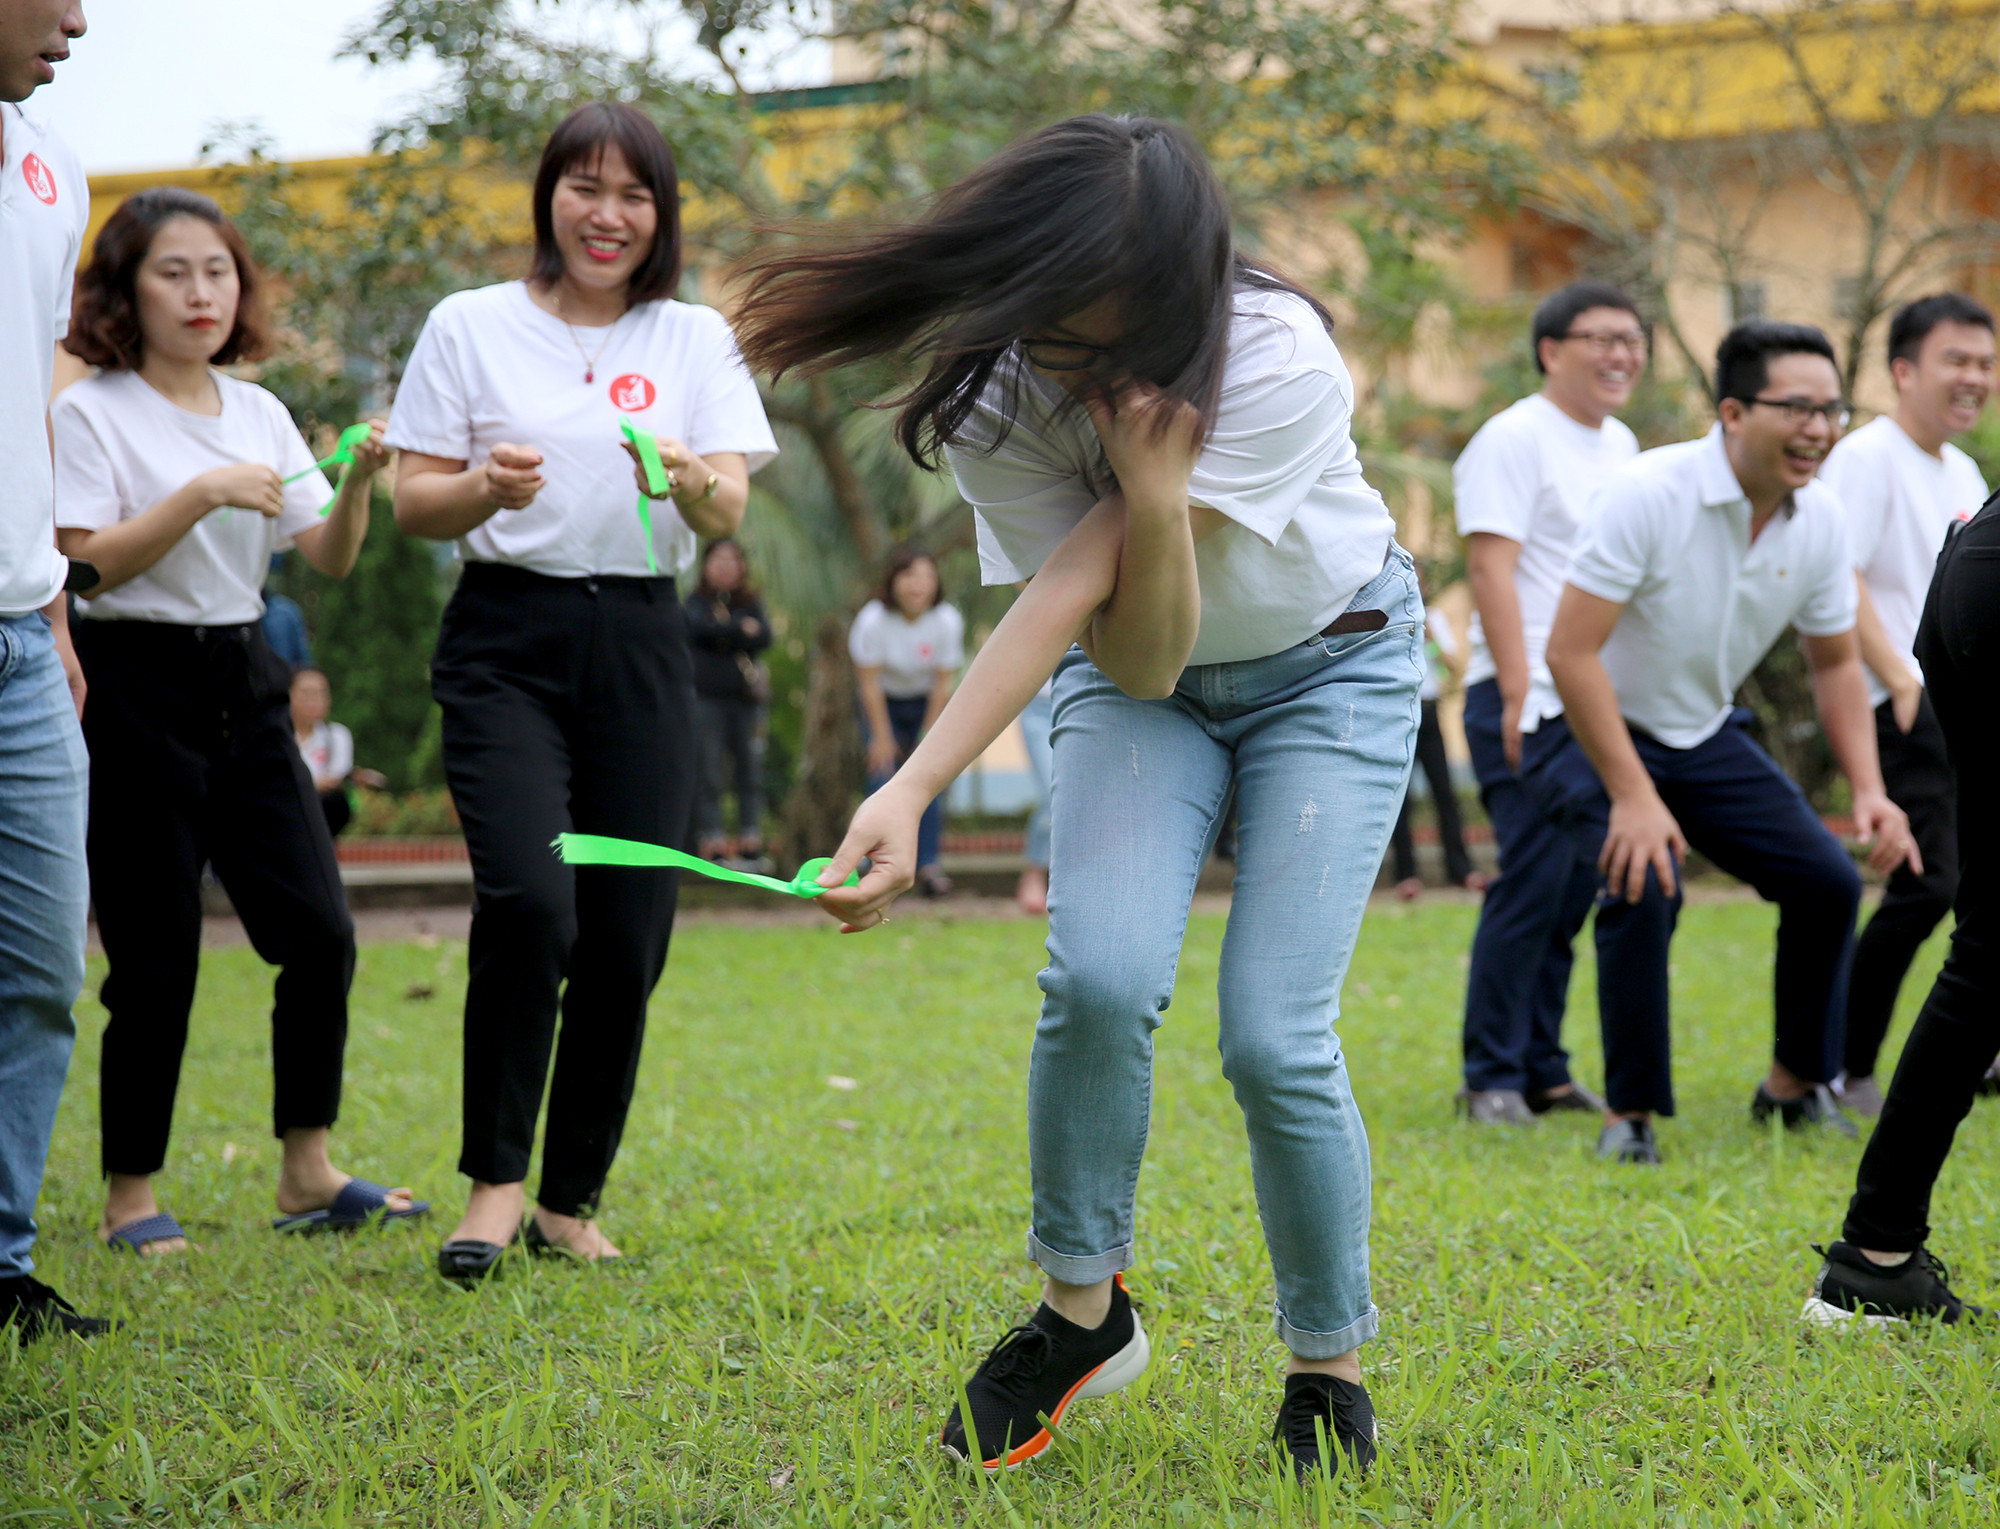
<point x="1154" y="432"/>
<point x="171" y="481"/>
<point x="562" y="665"/>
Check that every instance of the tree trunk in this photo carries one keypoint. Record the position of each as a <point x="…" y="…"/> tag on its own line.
<point x="827" y="784"/>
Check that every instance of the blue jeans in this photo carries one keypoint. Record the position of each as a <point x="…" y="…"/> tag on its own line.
<point x="1522" y="952"/>
<point x="1037" y="718"/>
<point x="1740" y="810"/>
<point x="1315" y="742"/>
<point x="906" y="722"/>
<point x="44" y="899"/>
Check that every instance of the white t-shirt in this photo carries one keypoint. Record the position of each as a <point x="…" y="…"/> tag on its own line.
<point x="1900" y="500"/>
<point x="327" y="750"/>
<point x="1528" y="475"/>
<point x="1306" y="530"/>
<point x="490" y="367"/>
<point x="1669" y="539"/>
<point x="909" y="653"/>
<point x="121" y="448"/>
<point x="44" y="209"/>
<point x="1438" y="628"/>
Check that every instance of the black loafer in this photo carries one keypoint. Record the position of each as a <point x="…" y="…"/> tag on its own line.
<point x="537" y="1242"/>
<point x="467" y="1261"/>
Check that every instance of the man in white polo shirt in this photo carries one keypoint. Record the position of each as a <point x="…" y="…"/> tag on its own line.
<point x="1697" y="558"/>
<point x="1522" y="487"/>
<point x="44" y="206"/>
<point x="1903" y="484"/>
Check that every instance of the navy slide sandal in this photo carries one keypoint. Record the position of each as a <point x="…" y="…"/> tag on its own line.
<point x="136" y="1234"/>
<point x="358" y="1203"/>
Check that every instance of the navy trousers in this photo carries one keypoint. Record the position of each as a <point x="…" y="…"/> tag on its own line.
<point x="1740" y="810"/>
<point x="1523" y="950"/>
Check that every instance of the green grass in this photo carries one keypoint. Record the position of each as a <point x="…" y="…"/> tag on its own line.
<point x="812" y="1269"/>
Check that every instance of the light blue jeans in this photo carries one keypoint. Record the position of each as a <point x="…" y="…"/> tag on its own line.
<point x="44" y="899"/>
<point x="1315" y="743"/>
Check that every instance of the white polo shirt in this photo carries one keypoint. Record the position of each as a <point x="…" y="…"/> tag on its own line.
<point x="1900" y="500"/>
<point x="1529" y="475"/>
<point x="44" y="209"/>
<point x="490" y="366"/>
<point x="1305" y="530"/>
<point x="1669" y="539"/>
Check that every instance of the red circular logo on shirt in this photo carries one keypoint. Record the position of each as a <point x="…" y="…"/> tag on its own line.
<point x="40" y="179"/>
<point x="632" y="393"/>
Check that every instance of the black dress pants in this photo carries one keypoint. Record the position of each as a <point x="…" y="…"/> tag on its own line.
<point x="1917" y="770"/>
<point x="568" y="706"/>
<point x="1958" y="1030"/>
<point x="192" y="761"/>
<point x="1436" y="765"/>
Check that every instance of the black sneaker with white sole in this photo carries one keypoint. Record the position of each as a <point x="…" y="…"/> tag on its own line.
<point x="1853" y="1289"/>
<point x="1322" y="1412"/>
<point x="1027" y="1383"/>
<point x="1815" y="1109"/>
<point x="36" y="1311"/>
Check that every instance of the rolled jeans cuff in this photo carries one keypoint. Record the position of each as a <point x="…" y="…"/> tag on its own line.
<point x="1078" y="1268"/>
<point x="1312" y="1345"/>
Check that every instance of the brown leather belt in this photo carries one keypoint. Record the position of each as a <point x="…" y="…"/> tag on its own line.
<point x="1349" y="622"/>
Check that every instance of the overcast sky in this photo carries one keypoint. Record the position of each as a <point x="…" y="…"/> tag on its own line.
<point x="146" y="86"/>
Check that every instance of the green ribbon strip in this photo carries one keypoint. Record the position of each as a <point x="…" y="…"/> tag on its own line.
<point x="659" y="484"/>
<point x="342" y="457"/>
<point x="595" y="849"/>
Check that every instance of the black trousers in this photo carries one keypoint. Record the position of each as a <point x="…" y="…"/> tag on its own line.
<point x="1958" y="1030"/>
<point x="1917" y="770"/>
<point x="732" y="750"/>
<point x="1444" y="802"/>
<point x="192" y="762"/>
<point x="568" y="705"/>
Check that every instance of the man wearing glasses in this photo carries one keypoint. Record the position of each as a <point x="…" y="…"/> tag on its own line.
<point x="1902" y="484"/>
<point x="1697" y="558"/>
<point x="1522" y="488"/>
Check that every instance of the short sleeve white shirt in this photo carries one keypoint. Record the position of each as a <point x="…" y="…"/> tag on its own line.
<point x="1528" y="475"/>
<point x="1900" y="500"/>
<point x="44" y="209"/>
<point x="1669" y="539"/>
<point x="121" y="448"/>
<point x="910" y="654"/>
<point x="490" y="367"/>
<point x="327" y="750"/>
<point x="1305" y="531"/>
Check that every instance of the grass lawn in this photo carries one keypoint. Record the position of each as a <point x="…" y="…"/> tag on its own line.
<point x="813" y="1267"/>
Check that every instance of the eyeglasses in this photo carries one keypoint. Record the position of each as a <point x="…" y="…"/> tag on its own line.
<point x="1064" y="355"/>
<point x="1604" y="342"/>
<point x="1798" y="410"/>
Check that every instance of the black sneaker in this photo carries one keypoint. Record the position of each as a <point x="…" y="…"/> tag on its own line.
<point x="35" y="1310"/>
<point x="1815" y="1108"/>
<point x="1576" y="1098"/>
<point x="1852" y="1287"/>
<point x="1028" y="1381"/>
<point x="1629" y="1141"/>
<point x="1322" y="1409"/>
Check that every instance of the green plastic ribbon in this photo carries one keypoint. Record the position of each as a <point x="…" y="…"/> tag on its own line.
<point x="595" y="849"/>
<point x="342" y="457"/>
<point x="659" y="484"/>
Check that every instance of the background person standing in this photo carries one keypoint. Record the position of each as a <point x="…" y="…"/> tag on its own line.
<point x="562" y="664"/>
<point x="1440" y="654"/>
<point x="907" y="645"/>
<point x="727" y="629"/>
<point x="1902" y="485"/>
<point x="1523" y="486"/>
<point x="44" y="891"/>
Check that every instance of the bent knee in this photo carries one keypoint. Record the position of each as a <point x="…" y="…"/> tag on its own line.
<point x="1077" y="994"/>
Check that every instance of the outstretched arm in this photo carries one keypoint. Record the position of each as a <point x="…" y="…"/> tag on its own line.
<point x="1840" y="696"/>
<point x="1050" y="613"/>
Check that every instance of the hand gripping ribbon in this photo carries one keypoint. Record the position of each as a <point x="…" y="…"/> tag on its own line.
<point x="595" y="849"/>
<point x="342" y="457"/>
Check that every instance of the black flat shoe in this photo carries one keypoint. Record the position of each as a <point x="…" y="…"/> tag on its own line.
<point x="539" y="1244"/>
<point x="467" y="1261"/>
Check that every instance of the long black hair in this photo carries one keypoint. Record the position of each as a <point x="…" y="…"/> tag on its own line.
<point x="1091" y="207"/>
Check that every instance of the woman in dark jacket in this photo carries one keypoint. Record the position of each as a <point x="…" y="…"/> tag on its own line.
<point x="727" y="629"/>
